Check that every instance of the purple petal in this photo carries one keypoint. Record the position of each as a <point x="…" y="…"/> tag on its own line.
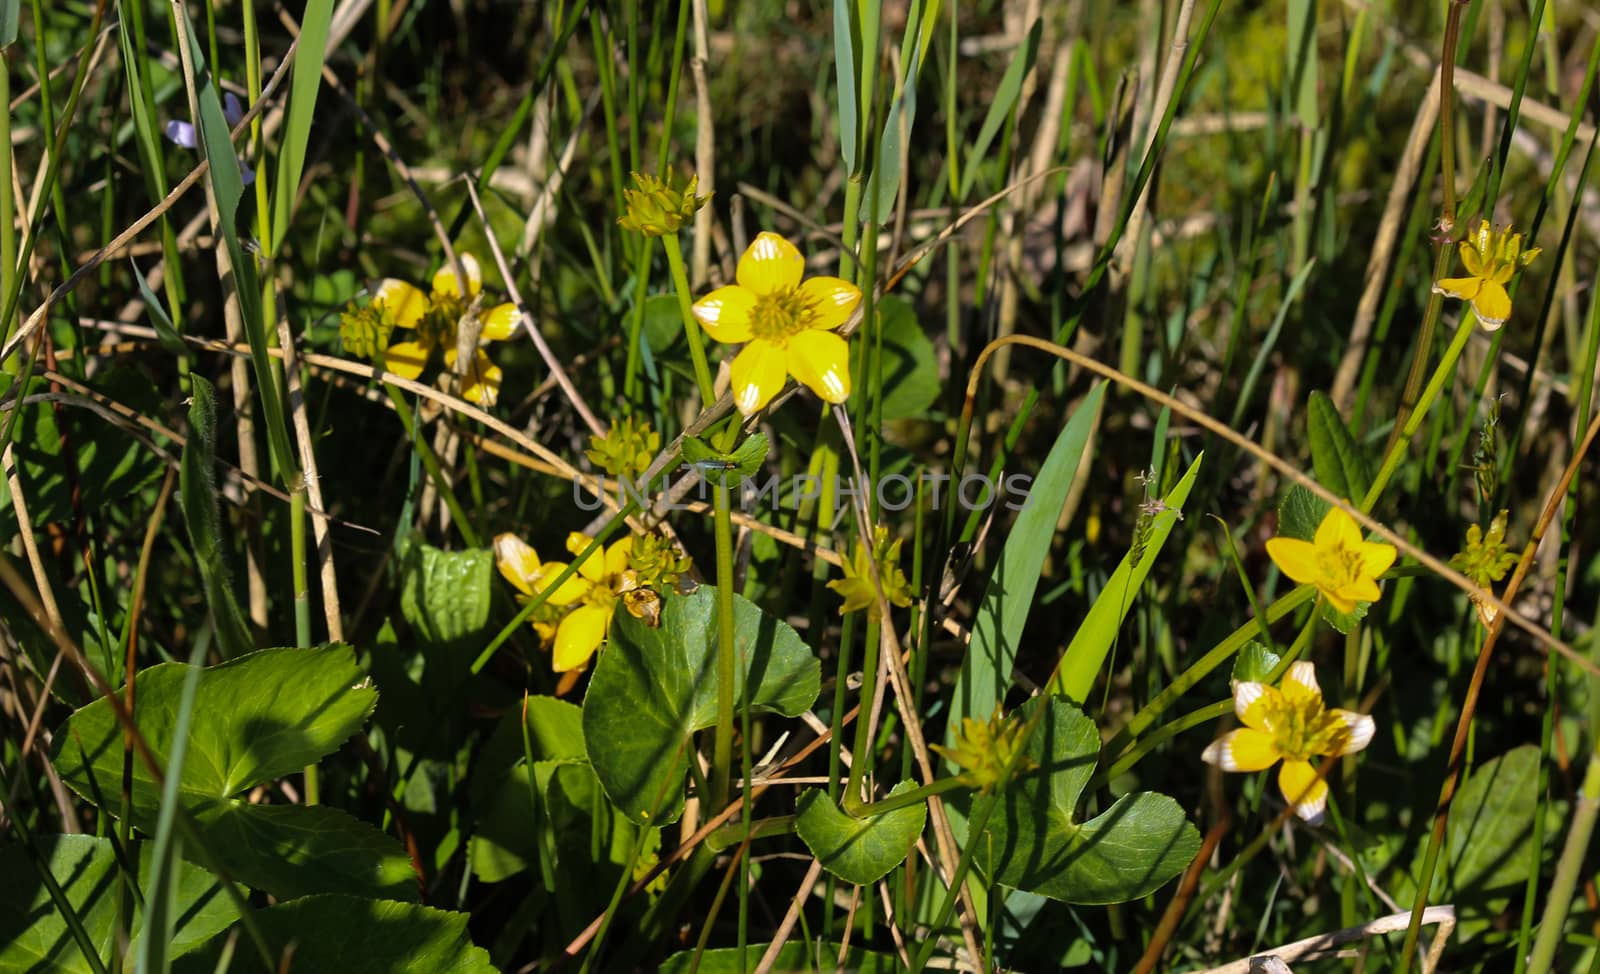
<point x="231" y="109"/>
<point x="181" y="133"/>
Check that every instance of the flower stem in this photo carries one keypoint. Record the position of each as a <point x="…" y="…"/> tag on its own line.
<point x="302" y="603"/>
<point x="1568" y="869"/>
<point x="430" y="463"/>
<point x="1398" y="445"/>
<point x="727" y="672"/>
<point x="691" y="327"/>
<point x="860" y="756"/>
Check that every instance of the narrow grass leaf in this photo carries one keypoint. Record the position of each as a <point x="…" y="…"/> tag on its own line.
<point x="986" y="671"/>
<point x="1087" y="651"/>
<point x="1005" y="96"/>
<point x="844" y="61"/>
<point x="197" y="498"/>
<point x="307" y="81"/>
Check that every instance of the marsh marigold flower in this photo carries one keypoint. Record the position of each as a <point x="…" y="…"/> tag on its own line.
<point x="1343" y="566"/>
<point x="590" y="596"/>
<point x="1289" y="723"/>
<point x="436" y="318"/>
<point x="1492" y="258"/>
<point x="788" y="325"/>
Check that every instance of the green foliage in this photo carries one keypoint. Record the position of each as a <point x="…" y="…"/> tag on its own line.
<point x="986" y="670"/>
<point x="34" y="937"/>
<point x="444" y="595"/>
<point x="654" y="687"/>
<point x="1036" y="841"/>
<point x="858" y="849"/>
<point x="264" y="715"/>
<point x="332" y="932"/>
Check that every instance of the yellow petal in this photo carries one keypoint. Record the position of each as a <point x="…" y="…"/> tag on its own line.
<point x="1465" y="288"/>
<point x="770" y="263"/>
<point x="821" y="360"/>
<point x="1470" y="259"/>
<point x="517" y="561"/>
<point x="570" y="591"/>
<point x="616" y="561"/>
<point x="725" y="314"/>
<point x="1492" y="305"/>
<point x="1251" y="701"/>
<point x="1360" y="590"/>
<point x="481" y="384"/>
<point x="1337" y="529"/>
<point x="1361" y="728"/>
<point x="1295" y="558"/>
<point x="831" y="298"/>
<point x="1303" y="789"/>
<point x="1300" y="683"/>
<point x="1340" y="600"/>
<point x="445" y="280"/>
<point x="406" y="359"/>
<point x="578" y="636"/>
<point x="401" y="302"/>
<point x="758" y="374"/>
<point x="1242" y="750"/>
<point x="593" y="567"/>
<point x="1376" y="558"/>
<point x="500" y="322"/>
<point x="1483" y="240"/>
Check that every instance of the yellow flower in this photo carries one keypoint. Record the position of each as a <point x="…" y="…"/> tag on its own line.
<point x="1342" y="566"/>
<point x="857" y="587"/>
<point x="590" y="595"/>
<point x="983" y="748"/>
<point x="1491" y="257"/>
<point x="1289" y="723"/>
<point x="787" y="322"/>
<point x="436" y="318"/>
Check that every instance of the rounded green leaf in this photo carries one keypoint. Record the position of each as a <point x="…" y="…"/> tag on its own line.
<point x="654" y="687"/>
<point x="858" y="850"/>
<point x="34" y="936"/>
<point x="1034" y="841"/>
<point x="263" y="715"/>
<point x="352" y="935"/>
<point x="910" y="372"/>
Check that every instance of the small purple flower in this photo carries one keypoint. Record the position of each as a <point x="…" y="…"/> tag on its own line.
<point x="183" y="133"/>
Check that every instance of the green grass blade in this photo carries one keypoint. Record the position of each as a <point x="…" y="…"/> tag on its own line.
<point x="844" y="60"/>
<point x="228" y="190"/>
<point x="197" y="497"/>
<point x="1098" y="631"/>
<point x="986" y="671"/>
<point x="307" y="81"/>
<point x="1005" y="96"/>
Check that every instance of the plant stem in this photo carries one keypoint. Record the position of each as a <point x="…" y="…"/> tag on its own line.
<point x="727" y="671"/>
<point x="408" y="419"/>
<point x="1398" y="445"/>
<point x="1568" y="868"/>
<point x="691" y="327"/>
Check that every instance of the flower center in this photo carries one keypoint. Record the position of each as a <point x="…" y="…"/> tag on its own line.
<point x="1339" y="565"/>
<point x="781" y="314"/>
<point x="1303" y="729"/>
<point x="601" y="597"/>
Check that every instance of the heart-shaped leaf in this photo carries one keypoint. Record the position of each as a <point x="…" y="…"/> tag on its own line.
<point x="352" y="935"/>
<point x="265" y="714"/>
<point x="35" y="938"/>
<point x="1034" y="840"/>
<point x="654" y="687"/>
<point x="858" y="850"/>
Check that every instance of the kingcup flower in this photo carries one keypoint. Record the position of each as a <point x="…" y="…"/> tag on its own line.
<point x="788" y="325"/>
<point x="1289" y="723"/>
<point x="1492" y="258"/>
<point x="1343" y="566"/>
<point x="590" y="596"/>
<point x="436" y="318"/>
